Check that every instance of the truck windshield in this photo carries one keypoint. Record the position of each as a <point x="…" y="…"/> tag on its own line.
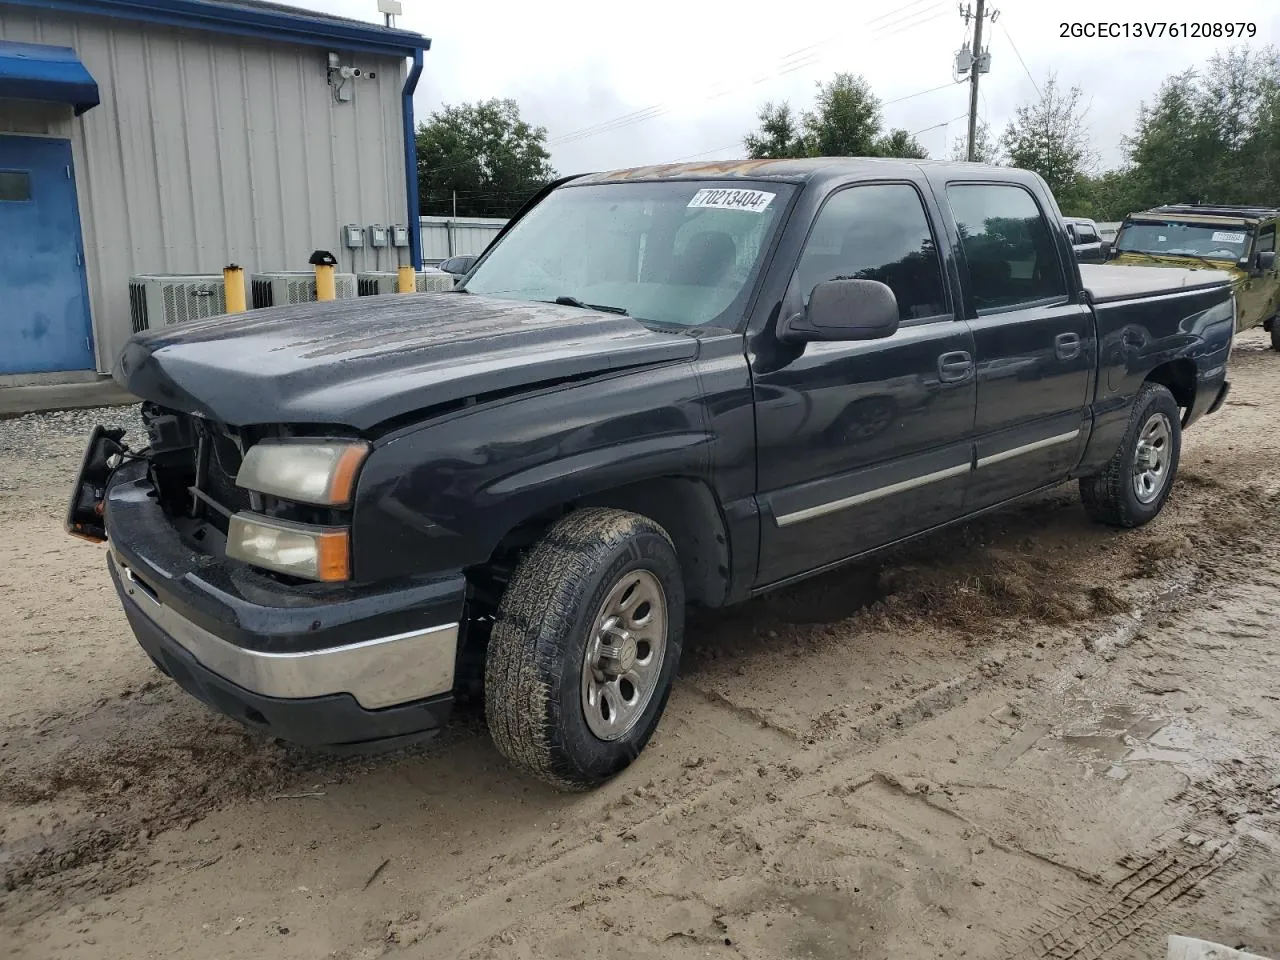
<point x="681" y="253"/>
<point x="1192" y="239"/>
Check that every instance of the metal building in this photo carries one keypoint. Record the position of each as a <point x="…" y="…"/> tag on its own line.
<point x="176" y="137"/>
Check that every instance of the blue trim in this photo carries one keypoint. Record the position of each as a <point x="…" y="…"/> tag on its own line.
<point x="313" y="30"/>
<point x="411" y="162"/>
<point x="36" y="71"/>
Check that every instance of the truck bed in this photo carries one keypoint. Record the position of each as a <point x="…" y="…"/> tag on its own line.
<point x="1105" y="283"/>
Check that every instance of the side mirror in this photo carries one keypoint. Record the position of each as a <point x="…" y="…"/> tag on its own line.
<point x="458" y="266"/>
<point x="844" y="310"/>
<point x="1264" y="261"/>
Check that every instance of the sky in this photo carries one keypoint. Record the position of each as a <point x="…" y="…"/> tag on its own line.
<point x="678" y="79"/>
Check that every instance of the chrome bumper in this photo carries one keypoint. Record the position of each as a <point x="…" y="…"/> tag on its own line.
<point x="378" y="673"/>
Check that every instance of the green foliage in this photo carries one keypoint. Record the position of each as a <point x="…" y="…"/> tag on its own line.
<point x="899" y="143"/>
<point x="845" y="122"/>
<point x="485" y="152"/>
<point x="779" y="137"/>
<point x="1209" y="136"/>
<point x="987" y="150"/>
<point x="1049" y="136"/>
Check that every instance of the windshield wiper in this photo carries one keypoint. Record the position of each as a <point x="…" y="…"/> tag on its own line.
<point x="1166" y="257"/>
<point x="567" y="301"/>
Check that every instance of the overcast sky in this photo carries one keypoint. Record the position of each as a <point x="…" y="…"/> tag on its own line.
<point x="676" y="79"/>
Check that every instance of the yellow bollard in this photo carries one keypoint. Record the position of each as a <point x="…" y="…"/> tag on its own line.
<point x="407" y="282"/>
<point x="326" y="286"/>
<point x="233" y="280"/>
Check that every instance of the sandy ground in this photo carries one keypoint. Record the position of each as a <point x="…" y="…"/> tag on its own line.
<point x="1032" y="737"/>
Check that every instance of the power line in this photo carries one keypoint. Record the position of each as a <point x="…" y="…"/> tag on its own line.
<point x="942" y="124"/>
<point x="695" y="156"/>
<point x="1008" y="36"/>
<point x="786" y="64"/>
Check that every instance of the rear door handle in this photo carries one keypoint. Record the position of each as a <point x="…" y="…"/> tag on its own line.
<point x="1066" y="346"/>
<point x="955" y="366"/>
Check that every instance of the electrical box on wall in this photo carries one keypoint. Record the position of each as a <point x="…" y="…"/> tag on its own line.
<point x="377" y="235"/>
<point x="353" y="236"/>
<point x="399" y="235"/>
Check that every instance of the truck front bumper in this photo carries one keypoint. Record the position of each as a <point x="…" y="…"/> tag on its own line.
<point x="309" y="664"/>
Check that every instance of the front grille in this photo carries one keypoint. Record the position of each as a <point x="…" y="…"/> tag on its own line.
<point x="177" y="440"/>
<point x="220" y="477"/>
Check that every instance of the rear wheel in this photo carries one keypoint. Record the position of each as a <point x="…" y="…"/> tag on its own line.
<point x="1134" y="485"/>
<point x="584" y="647"/>
<point x="1275" y="333"/>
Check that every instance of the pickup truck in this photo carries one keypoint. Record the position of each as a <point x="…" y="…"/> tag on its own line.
<point x="1086" y="240"/>
<point x="658" y="387"/>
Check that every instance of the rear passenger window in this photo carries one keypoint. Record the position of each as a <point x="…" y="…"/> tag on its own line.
<point x="1007" y="244"/>
<point x="1086" y="233"/>
<point x="1266" y="239"/>
<point x="877" y="232"/>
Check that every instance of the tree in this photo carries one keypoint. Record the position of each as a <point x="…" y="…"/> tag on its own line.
<point x="1111" y="195"/>
<point x="987" y="150"/>
<point x="779" y="137"/>
<point x="484" y="152"/>
<point x="845" y="122"/>
<point x="899" y="143"/>
<point x="1211" y="136"/>
<point x="1050" y="136"/>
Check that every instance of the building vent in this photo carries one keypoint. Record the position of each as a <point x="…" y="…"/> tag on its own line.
<point x="377" y="282"/>
<point x="296" y="286"/>
<point x="159" y="300"/>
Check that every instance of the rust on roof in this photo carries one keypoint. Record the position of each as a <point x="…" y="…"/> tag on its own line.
<point x="712" y="169"/>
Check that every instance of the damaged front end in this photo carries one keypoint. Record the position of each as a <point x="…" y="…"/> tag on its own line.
<point x="105" y="452"/>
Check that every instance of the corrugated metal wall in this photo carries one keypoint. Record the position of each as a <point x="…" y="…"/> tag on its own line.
<point x="444" y="237"/>
<point x="208" y="149"/>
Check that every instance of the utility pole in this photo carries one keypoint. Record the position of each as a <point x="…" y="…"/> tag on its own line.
<point x="973" y="78"/>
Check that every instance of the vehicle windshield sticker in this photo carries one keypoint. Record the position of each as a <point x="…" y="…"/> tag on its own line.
<point x="1223" y="236"/>
<point x="755" y="201"/>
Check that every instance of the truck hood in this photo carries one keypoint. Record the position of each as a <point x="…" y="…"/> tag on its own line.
<point x="364" y="361"/>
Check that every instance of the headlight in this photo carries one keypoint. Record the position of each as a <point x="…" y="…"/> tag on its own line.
<point x="314" y="553"/>
<point x="313" y="471"/>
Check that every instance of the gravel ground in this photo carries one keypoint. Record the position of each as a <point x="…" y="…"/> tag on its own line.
<point x="28" y="444"/>
<point x="1025" y="738"/>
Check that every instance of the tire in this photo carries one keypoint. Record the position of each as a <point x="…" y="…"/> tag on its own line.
<point x="1275" y="333"/>
<point x="1121" y="494"/>
<point x="539" y="686"/>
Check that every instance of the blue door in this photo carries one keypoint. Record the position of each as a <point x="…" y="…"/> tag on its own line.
<point x="44" y="303"/>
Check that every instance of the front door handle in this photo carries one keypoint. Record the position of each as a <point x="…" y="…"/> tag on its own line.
<point x="955" y="367"/>
<point x="1066" y="346"/>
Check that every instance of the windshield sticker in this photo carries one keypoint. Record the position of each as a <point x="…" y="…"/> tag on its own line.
<point x="1223" y="236"/>
<point x="755" y="201"/>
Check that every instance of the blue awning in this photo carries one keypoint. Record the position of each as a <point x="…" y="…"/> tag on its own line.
<point x="34" y="71"/>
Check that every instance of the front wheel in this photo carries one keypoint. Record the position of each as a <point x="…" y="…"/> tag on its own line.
<point x="1275" y="332"/>
<point x="584" y="647"/>
<point x="1134" y="485"/>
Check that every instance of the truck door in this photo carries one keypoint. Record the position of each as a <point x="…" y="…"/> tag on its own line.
<point x="862" y="443"/>
<point x="1035" y="342"/>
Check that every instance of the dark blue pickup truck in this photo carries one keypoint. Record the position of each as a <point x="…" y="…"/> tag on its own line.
<point x="664" y="386"/>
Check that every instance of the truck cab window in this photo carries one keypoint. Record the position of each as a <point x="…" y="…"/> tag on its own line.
<point x="877" y="232"/>
<point x="1007" y="244"/>
<point x="1266" y="239"/>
